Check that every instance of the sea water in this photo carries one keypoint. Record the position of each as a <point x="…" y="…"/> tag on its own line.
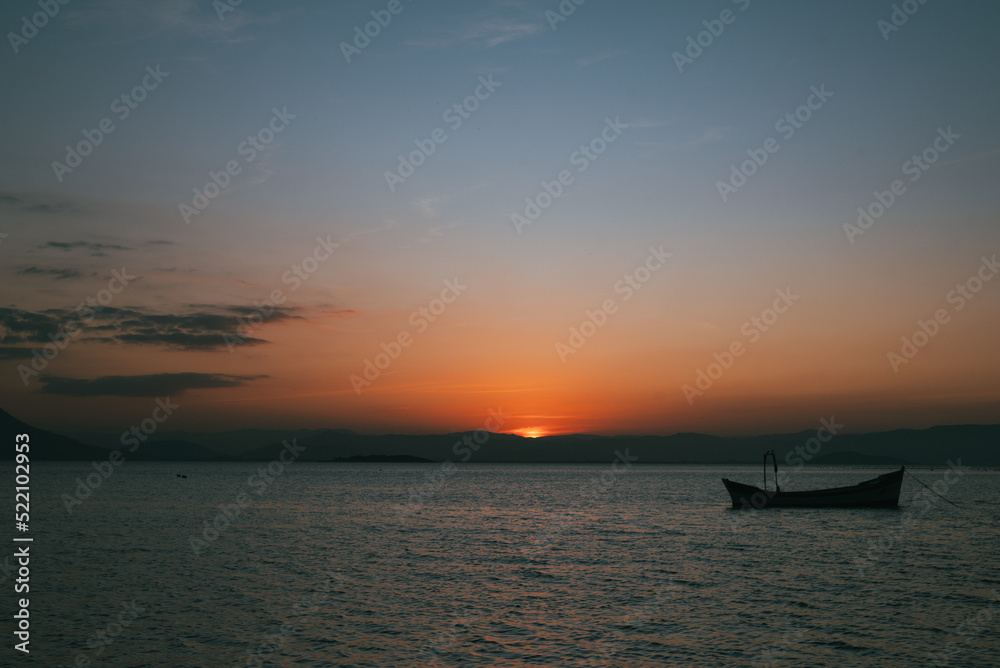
<point x="500" y="565"/>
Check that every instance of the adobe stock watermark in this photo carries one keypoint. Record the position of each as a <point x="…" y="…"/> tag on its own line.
<point x="713" y="29"/>
<point x="879" y="548"/>
<point x="564" y="10"/>
<point x="250" y="148"/>
<point x="638" y="619"/>
<point x="133" y="437"/>
<point x="958" y="296"/>
<point x="87" y="312"/>
<point x="589" y="493"/>
<point x="446" y="642"/>
<point x="464" y="449"/>
<point x="308" y="606"/>
<point x="787" y="125"/>
<point x="294" y="276"/>
<point x="780" y="653"/>
<point x="454" y="116"/>
<point x="752" y="329"/>
<point x="965" y="632"/>
<point x="915" y="168"/>
<point x="122" y="106"/>
<point x="420" y="320"/>
<point x="581" y="158"/>
<point x="100" y="640"/>
<point x="223" y="7"/>
<point x="30" y="27"/>
<point x="258" y="482"/>
<point x="627" y="285"/>
<point x="372" y="29"/>
<point x="900" y="14"/>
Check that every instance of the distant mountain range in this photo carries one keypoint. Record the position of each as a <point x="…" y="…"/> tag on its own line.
<point x="976" y="445"/>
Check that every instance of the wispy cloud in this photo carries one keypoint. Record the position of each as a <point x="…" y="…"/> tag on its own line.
<point x="96" y="249"/>
<point x="153" y="385"/>
<point x="389" y="225"/>
<point x="56" y="274"/>
<point x="334" y="313"/>
<point x="439" y="231"/>
<point x="599" y="58"/>
<point x="498" y="31"/>
<point x="166" y="19"/>
<point x="488" y="28"/>
<point x="200" y="330"/>
<point x="14" y="353"/>
<point x="42" y="203"/>
<point x="709" y="135"/>
<point x="426" y="206"/>
<point x="647" y="123"/>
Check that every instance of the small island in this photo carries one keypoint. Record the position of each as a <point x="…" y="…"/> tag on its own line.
<point x="382" y="459"/>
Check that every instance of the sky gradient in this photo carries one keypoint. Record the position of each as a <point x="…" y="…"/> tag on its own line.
<point x="254" y="260"/>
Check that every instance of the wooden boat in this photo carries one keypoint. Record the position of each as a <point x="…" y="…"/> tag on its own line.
<point x="880" y="492"/>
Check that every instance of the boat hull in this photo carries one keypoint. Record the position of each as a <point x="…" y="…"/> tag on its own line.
<point x="881" y="492"/>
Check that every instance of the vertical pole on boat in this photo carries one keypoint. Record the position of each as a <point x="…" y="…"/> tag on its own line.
<point x="775" y="458"/>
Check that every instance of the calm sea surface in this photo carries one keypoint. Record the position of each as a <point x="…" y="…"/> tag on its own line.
<point x="500" y="565"/>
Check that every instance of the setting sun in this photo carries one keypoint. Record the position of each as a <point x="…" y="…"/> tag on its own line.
<point x="531" y="432"/>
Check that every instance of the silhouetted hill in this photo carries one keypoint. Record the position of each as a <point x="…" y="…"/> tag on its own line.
<point x="976" y="445"/>
<point x="44" y="445"/>
<point x="859" y="459"/>
<point x="385" y="459"/>
<point x="235" y="443"/>
<point x="173" y="451"/>
<point x="229" y="443"/>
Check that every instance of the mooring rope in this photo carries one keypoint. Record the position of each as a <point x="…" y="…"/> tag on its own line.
<point x="918" y="480"/>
